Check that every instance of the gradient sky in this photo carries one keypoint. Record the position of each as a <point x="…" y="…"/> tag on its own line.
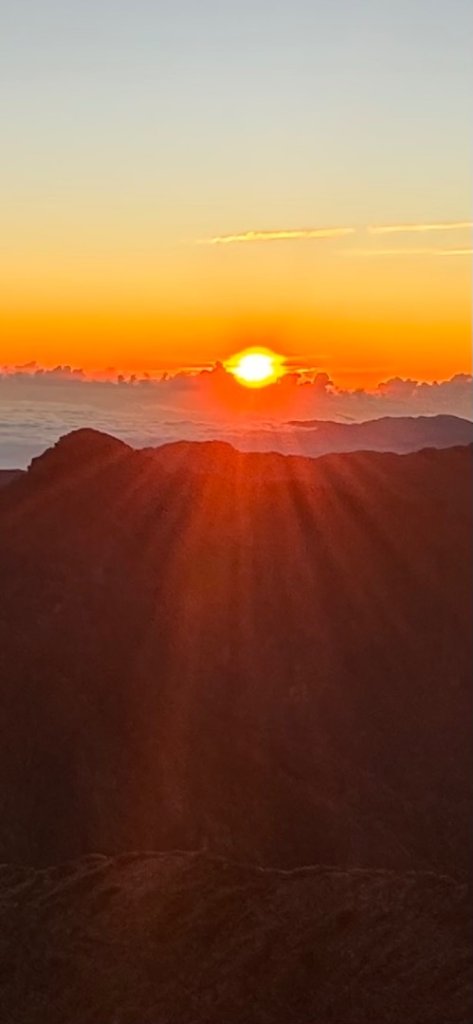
<point x="136" y="133"/>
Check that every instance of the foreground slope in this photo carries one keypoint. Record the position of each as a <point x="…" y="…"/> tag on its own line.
<point x="182" y="939"/>
<point x="266" y="656"/>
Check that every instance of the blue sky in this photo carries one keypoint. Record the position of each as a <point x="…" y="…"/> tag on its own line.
<point x="186" y="101"/>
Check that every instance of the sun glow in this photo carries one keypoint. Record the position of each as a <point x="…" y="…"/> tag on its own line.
<point x="256" y="367"/>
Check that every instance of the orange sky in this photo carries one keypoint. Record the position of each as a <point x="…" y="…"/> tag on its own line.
<point x="345" y="305"/>
<point x="182" y="181"/>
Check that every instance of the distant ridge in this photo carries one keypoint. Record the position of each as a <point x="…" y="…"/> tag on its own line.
<point x="309" y="438"/>
<point x="399" y="434"/>
<point x="441" y="420"/>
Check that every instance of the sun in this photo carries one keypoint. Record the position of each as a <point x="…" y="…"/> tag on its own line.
<point x="256" y="367"/>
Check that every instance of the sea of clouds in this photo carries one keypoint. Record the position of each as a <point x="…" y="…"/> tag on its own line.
<point x="39" y="405"/>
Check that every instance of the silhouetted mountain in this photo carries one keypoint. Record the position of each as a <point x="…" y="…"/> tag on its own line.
<point x="266" y="656"/>
<point x="196" y="940"/>
<point x="399" y="434"/>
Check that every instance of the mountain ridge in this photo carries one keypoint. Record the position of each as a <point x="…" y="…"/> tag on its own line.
<point x="274" y="664"/>
<point x="313" y="438"/>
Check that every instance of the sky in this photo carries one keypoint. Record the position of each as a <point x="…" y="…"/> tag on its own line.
<point x="180" y="180"/>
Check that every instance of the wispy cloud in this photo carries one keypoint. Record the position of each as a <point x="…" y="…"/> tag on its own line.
<point x="455" y="252"/>
<point x="395" y="229"/>
<point x="304" y="234"/>
<point x="409" y="252"/>
<point x="285" y="235"/>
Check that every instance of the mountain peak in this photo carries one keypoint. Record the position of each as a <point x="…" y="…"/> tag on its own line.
<point x="84" y="445"/>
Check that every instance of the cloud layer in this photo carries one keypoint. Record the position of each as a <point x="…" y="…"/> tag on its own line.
<point x="39" y="405"/>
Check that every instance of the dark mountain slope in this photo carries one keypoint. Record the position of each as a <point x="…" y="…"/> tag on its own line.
<point x="264" y="655"/>
<point x="193" y="940"/>
<point x="8" y="475"/>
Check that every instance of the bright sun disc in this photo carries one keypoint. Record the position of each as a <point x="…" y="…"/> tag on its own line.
<point x="256" y="367"/>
